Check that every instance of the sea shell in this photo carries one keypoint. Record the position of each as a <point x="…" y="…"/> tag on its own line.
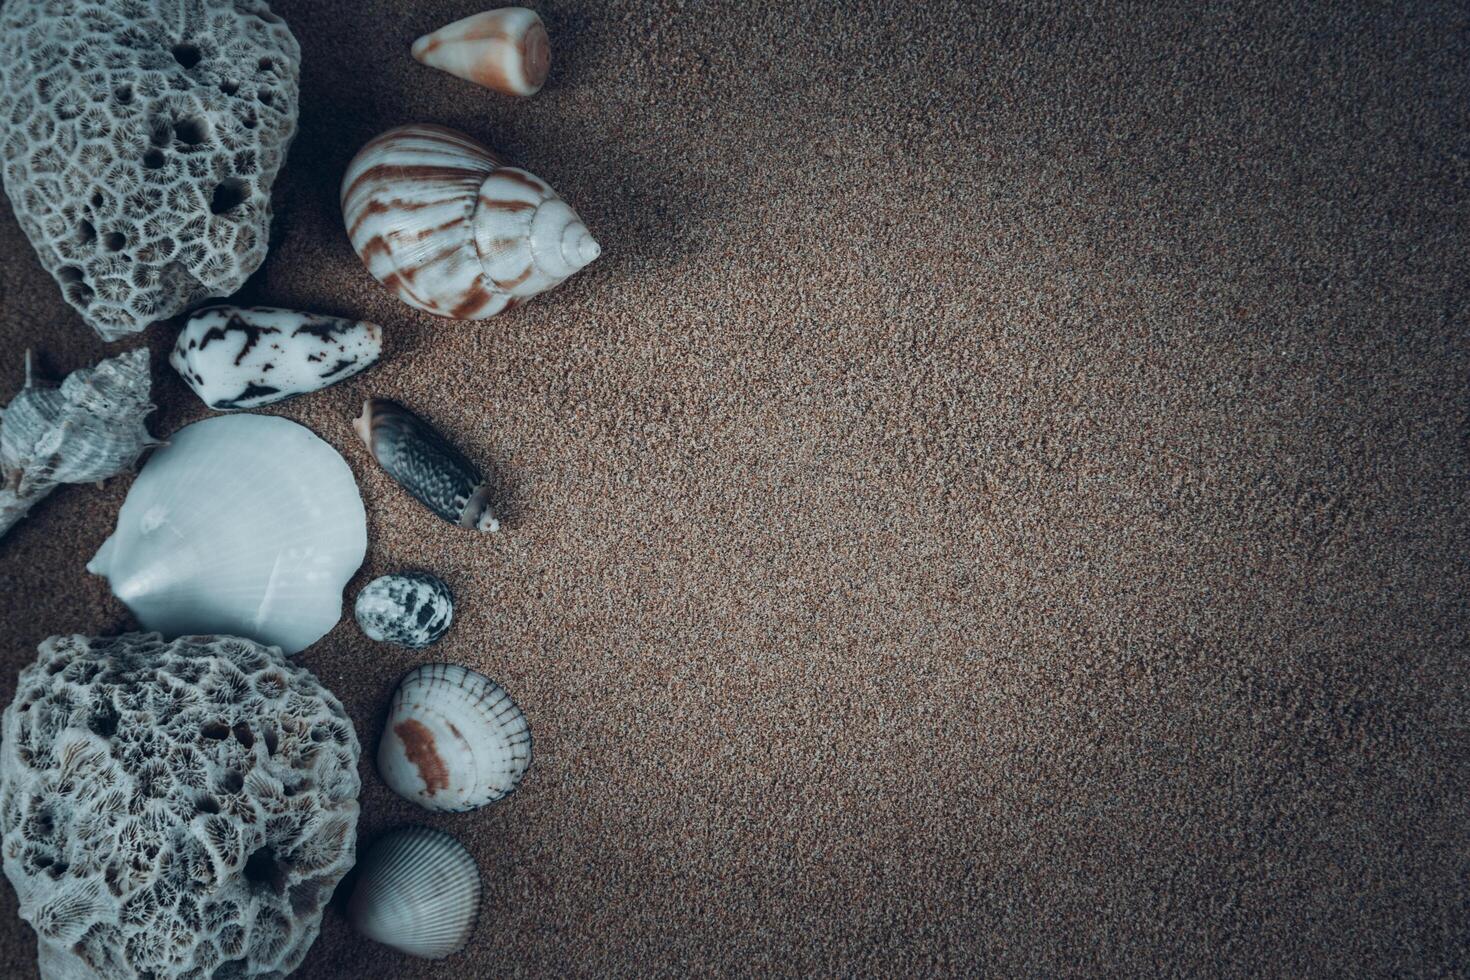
<point x="506" y="50"/>
<point x="246" y="525"/>
<point x="425" y="464"/>
<point x="418" y="891"/>
<point x="245" y="357"/>
<point x="413" y="610"/>
<point x="85" y="431"/>
<point x="454" y="741"/>
<point x="442" y="222"/>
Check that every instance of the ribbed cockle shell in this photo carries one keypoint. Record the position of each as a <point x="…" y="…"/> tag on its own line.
<point x="506" y="50"/>
<point x="424" y="463"/>
<point x="452" y="230"/>
<point x="418" y="891"/>
<point x="455" y="740"/>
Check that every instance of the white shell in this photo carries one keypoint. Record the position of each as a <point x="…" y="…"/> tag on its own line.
<point x="246" y="525"/>
<point x="246" y="357"/>
<point x="418" y="890"/>
<point x="441" y="221"/>
<point x="506" y="50"/>
<point x="87" y="430"/>
<point x="454" y="740"/>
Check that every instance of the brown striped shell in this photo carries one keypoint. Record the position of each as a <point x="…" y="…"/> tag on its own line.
<point x="445" y="224"/>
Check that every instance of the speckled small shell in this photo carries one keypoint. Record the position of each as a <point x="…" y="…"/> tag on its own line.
<point x="412" y="610"/>
<point x="425" y="464"/>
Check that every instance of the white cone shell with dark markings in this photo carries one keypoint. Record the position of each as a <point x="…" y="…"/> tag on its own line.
<point x="245" y="357"/>
<point x="418" y="890"/>
<point x="454" y="741"/>
<point x="452" y="230"/>
<point x="243" y="525"/>
<point x="506" y="50"/>
<point x="426" y="464"/>
<point x="412" y="610"/>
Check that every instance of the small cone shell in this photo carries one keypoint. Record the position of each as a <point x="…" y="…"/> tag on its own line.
<point x="506" y="50"/>
<point x="418" y="891"/>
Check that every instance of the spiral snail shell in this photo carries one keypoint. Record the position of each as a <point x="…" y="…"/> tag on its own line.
<point x="445" y="224"/>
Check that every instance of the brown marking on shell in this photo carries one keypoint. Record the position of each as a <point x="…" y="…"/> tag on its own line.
<point x="513" y="283"/>
<point x="398" y="171"/>
<point x="524" y="179"/>
<point x="536" y="54"/>
<point x="418" y="745"/>
<point x="511" y="206"/>
<point x="374" y="208"/>
<point x="472" y="304"/>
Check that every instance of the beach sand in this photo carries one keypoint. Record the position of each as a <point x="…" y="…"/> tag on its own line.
<point x="998" y="505"/>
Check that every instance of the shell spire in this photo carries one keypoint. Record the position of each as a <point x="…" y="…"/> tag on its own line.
<point x="506" y="50"/>
<point x="453" y="230"/>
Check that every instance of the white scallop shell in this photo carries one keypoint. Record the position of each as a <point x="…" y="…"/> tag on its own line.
<point x="245" y="525"/>
<point x="506" y="50"/>
<point x="418" y="890"/>
<point x="441" y="221"/>
<point x="454" y="740"/>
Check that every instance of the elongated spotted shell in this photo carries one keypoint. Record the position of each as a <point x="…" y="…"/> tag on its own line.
<point x="425" y="464"/>
<point x="452" y="230"/>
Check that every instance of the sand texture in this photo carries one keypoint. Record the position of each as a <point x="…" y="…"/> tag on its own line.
<point x="1000" y="504"/>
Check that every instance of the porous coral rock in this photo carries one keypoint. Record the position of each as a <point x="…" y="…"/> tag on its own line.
<point x="174" y="810"/>
<point x="140" y="141"/>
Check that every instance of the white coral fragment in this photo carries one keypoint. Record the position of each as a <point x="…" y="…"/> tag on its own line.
<point x="166" y="808"/>
<point x="139" y="140"/>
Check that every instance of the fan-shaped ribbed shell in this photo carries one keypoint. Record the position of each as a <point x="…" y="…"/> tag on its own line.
<point x="245" y="525"/>
<point x="445" y="224"/>
<point x="455" y="740"/>
<point x="418" y="890"/>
